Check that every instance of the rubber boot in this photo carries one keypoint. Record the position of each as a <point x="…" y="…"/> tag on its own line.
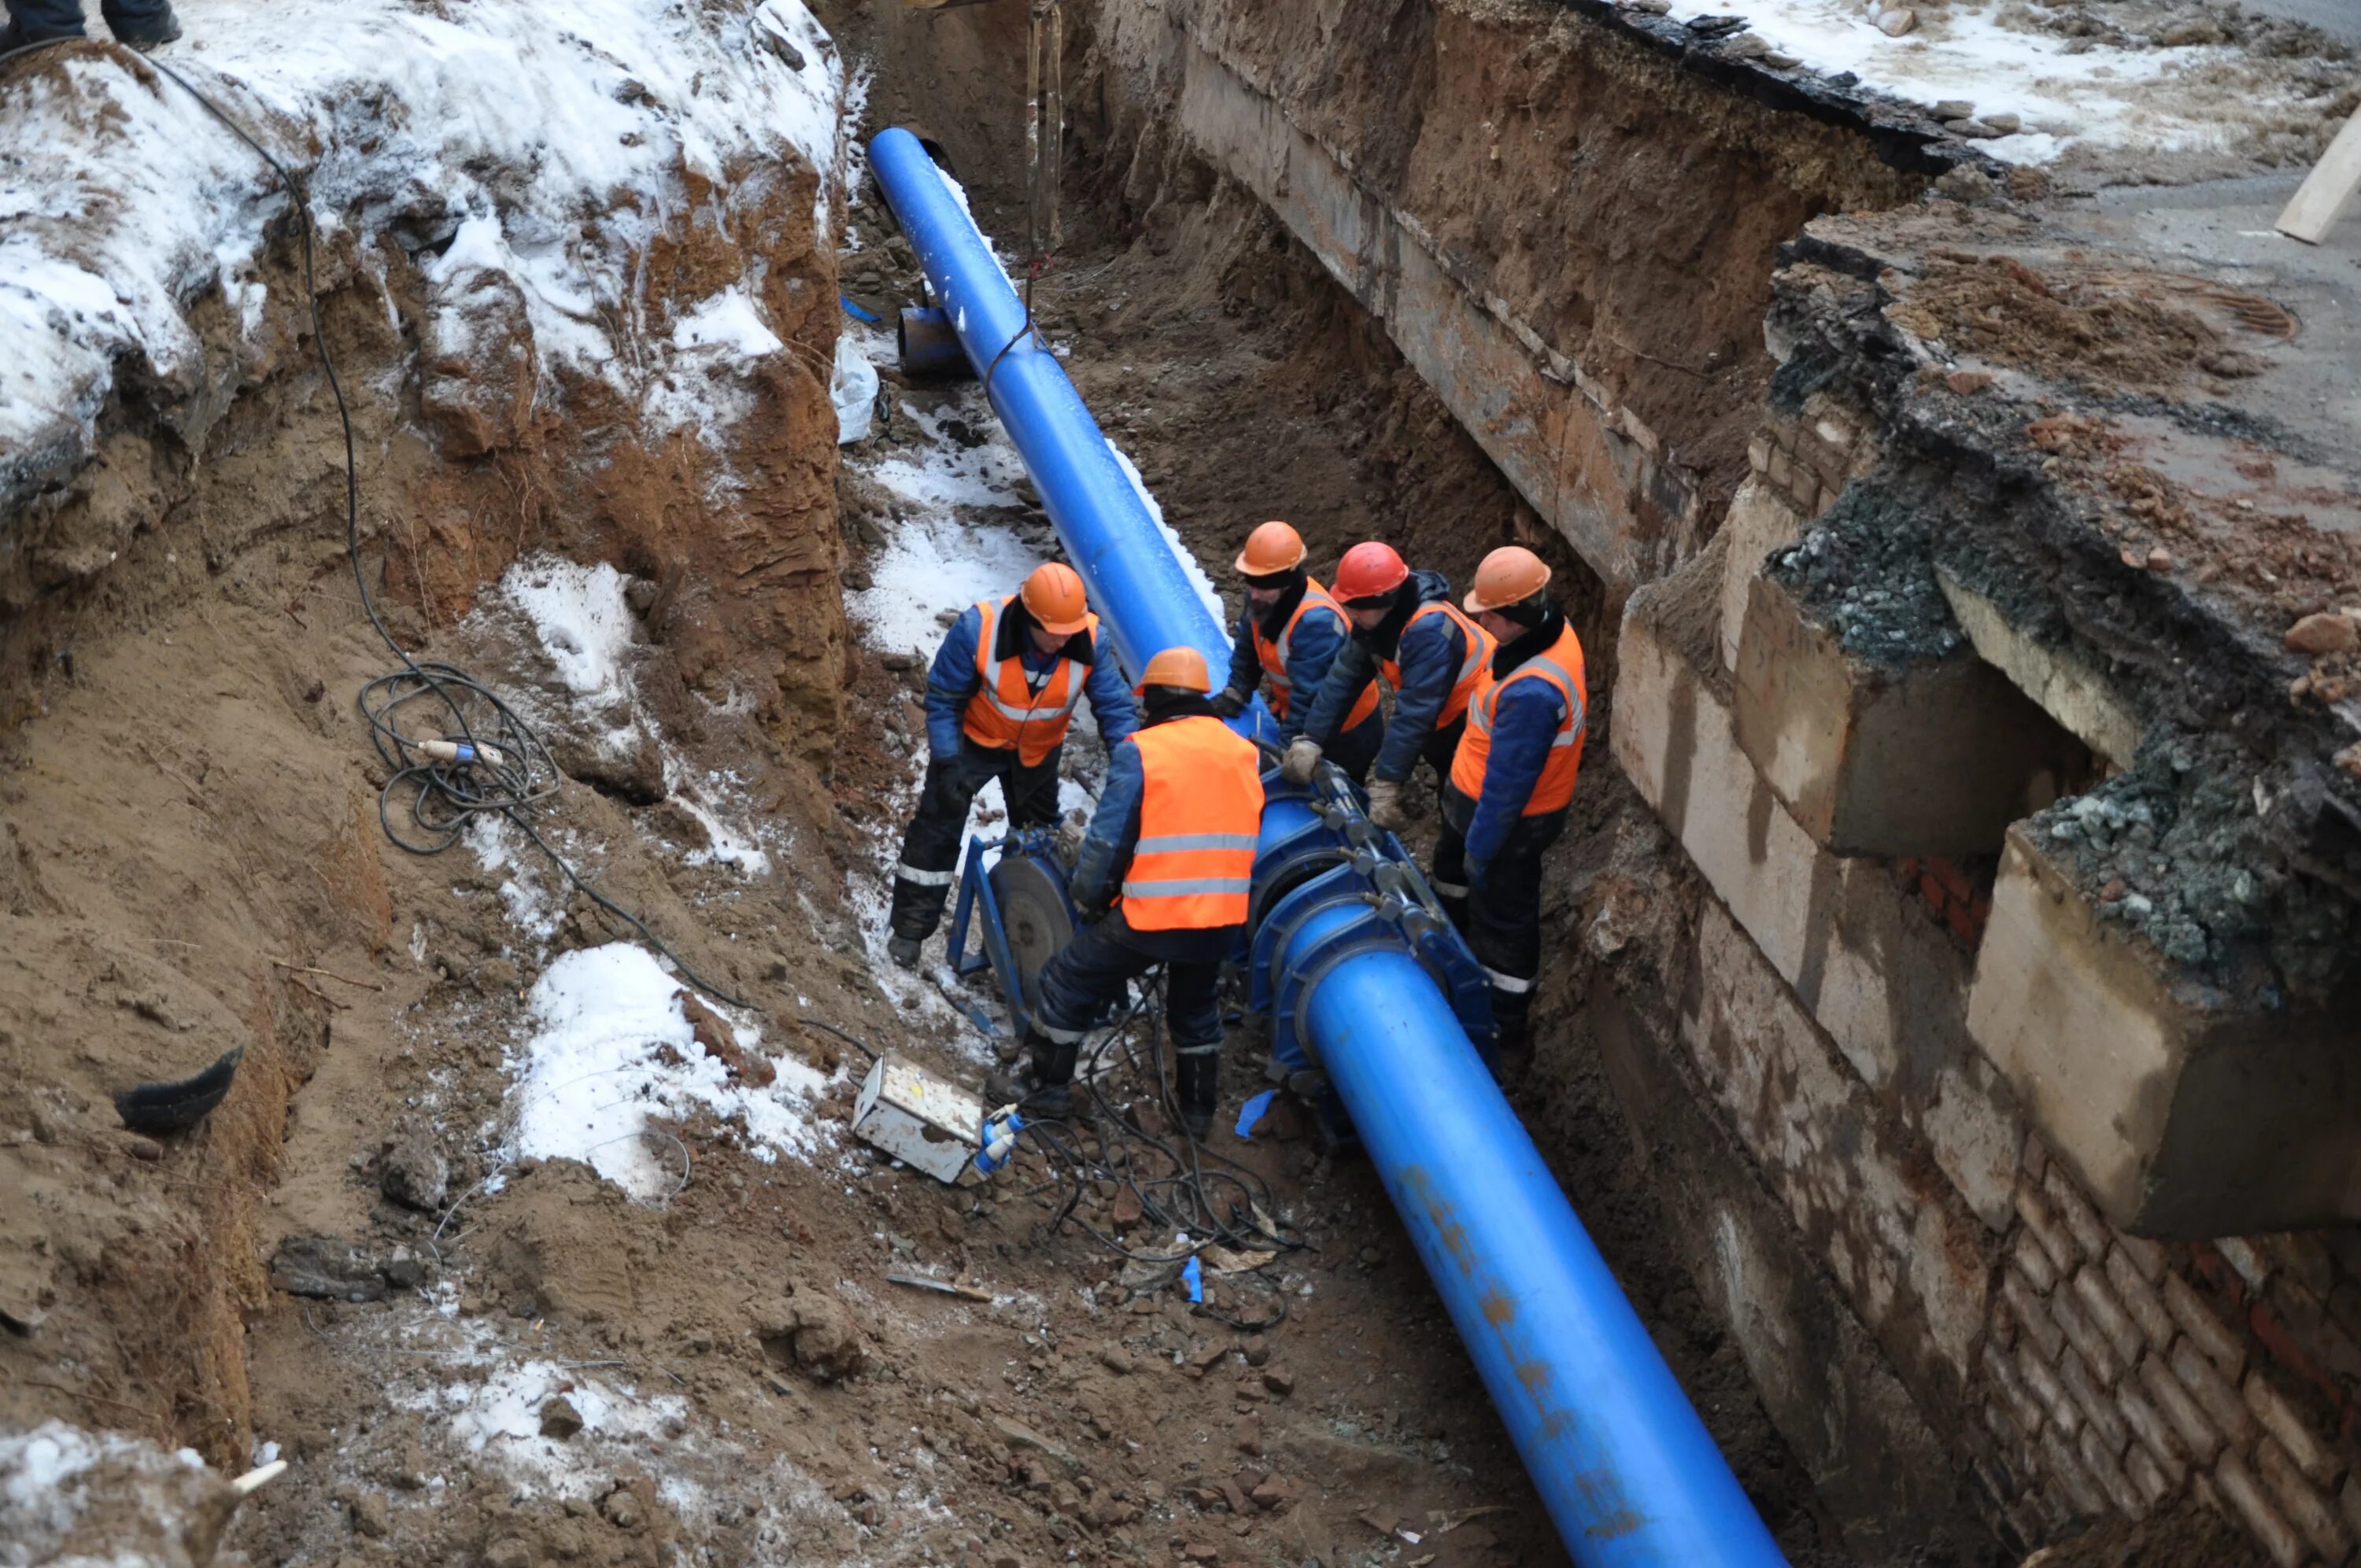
<point x="903" y="950"/>
<point x="1197" y="1084"/>
<point x="1512" y="1050"/>
<point x="1043" y="1086"/>
<point x="149" y="32"/>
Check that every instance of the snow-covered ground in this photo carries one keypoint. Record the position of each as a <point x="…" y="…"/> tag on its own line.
<point x="546" y="139"/>
<point x="2066" y="91"/>
<point x="613" y="1050"/>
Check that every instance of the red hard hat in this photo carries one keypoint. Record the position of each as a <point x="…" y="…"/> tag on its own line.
<point x="1509" y="575"/>
<point x="1054" y="594"/>
<point x="1368" y="570"/>
<point x="1271" y="549"/>
<point x="1181" y="668"/>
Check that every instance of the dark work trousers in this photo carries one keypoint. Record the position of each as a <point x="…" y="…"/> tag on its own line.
<point x="133" y="21"/>
<point x="1503" y="917"/>
<point x="1356" y="749"/>
<point x="930" y="850"/>
<point x="1080" y="981"/>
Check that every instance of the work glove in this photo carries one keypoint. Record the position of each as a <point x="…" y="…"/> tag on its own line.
<point x="1229" y="702"/>
<point x="1386" y="807"/>
<point x="1302" y="757"/>
<point x="1478" y="870"/>
<point x="1091" y="904"/>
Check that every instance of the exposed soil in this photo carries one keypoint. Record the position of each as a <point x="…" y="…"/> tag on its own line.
<point x="193" y="862"/>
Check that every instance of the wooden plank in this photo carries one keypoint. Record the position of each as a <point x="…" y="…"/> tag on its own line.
<point x="2327" y="188"/>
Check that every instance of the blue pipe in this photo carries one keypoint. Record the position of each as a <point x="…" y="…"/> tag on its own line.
<point x="1129" y="569"/>
<point x="1627" y="1471"/>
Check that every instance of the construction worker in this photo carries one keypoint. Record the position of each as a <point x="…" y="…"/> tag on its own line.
<point x="1406" y="629"/>
<point x="1000" y="696"/>
<point x="1291" y="631"/>
<point x="1510" y="782"/>
<point x="1162" y="878"/>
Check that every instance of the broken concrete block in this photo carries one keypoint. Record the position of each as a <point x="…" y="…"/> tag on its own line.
<point x="2183" y="1115"/>
<point x="1874" y="756"/>
<point x="1760" y="521"/>
<point x="1864" y="959"/>
<point x="2061" y="681"/>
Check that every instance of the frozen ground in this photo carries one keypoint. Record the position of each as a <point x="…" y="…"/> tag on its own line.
<point x="2111" y="85"/>
<point x="126" y="202"/>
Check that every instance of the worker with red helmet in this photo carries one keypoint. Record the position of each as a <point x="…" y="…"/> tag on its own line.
<point x="1162" y="878"/>
<point x="1405" y="629"/>
<point x="1512" y="780"/>
<point x="1000" y="696"/>
<point x="1289" y="634"/>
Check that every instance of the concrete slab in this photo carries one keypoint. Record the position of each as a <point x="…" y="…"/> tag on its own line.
<point x="2060" y="681"/>
<point x="1865" y="960"/>
<point x="2183" y="1117"/>
<point x="1931" y="757"/>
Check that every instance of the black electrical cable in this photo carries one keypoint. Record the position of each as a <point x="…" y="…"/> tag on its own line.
<point x="504" y="776"/>
<point x="1181" y="1193"/>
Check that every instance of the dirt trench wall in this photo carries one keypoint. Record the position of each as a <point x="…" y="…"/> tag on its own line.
<point x="1510" y="188"/>
<point x="187" y="815"/>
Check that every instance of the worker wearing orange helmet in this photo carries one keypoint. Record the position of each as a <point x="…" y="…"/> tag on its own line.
<point x="1406" y="630"/>
<point x="1512" y="780"/>
<point x="1289" y="634"/>
<point x="1162" y="878"/>
<point x="1000" y="697"/>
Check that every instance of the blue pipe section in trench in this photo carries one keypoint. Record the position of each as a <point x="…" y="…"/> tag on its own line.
<point x="1628" y="1473"/>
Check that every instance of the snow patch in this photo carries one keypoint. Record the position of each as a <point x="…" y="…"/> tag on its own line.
<point x="516" y="118"/>
<point x="46" y="1482"/>
<point x="612" y="1052"/>
<point x="500" y="1418"/>
<point x="581" y="616"/>
<point x="2065" y="92"/>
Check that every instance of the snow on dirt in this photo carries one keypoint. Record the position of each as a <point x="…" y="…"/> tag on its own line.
<point x="511" y="119"/>
<point x="55" y="1473"/>
<point x="613" y="1050"/>
<point x="584" y="624"/>
<point x="2114" y="88"/>
<point x="500" y="1418"/>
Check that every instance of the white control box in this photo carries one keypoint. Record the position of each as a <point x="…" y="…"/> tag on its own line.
<point x="925" y="1122"/>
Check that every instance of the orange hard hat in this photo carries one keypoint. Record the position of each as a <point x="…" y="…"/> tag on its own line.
<point x="1368" y="570"/>
<point x="1054" y="596"/>
<point x="1180" y="668"/>
<point x="1270" y="549"/>
<point x="1509" y="575"/>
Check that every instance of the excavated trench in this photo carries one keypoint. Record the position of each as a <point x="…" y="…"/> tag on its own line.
<point x="1516" y="291"/>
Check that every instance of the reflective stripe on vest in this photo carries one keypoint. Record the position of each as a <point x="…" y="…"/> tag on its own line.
<point x="1007" y="711"/>
<point x="1561" y="665"/>
<point x="1200" y="820"/>
<point x="1274" y="656"/>
<point x="1472" y="669"/>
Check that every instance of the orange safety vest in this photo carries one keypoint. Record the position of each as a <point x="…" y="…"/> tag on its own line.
<point x="1561" y="665"/>
<point x="1273" y="655"/>
<point x="1199" y="819"/>
<point x="1480" y="648"/>
<point x="1007" y="711"/>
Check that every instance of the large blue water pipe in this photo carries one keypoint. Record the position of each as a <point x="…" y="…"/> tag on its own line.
<point x="1359" y="974"/>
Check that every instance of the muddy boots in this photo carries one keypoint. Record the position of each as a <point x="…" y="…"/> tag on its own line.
<point x="1197" y="1081"/>
<point x="1043" y="1087"/>
<point x="903" y="950"/>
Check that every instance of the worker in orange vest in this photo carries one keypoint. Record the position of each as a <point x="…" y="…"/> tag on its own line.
<point x="1406" y="630"/>
<point x="1000" y="696"/>
<point x="1512" y="780"/>
<point x="1289" y="634"/>
<point x="1162" y="878"/>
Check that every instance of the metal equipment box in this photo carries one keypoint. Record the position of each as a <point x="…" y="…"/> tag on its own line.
<point x="924" y="1121"/>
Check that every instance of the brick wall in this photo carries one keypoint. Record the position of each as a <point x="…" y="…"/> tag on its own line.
<point x="2118" y="1374"/>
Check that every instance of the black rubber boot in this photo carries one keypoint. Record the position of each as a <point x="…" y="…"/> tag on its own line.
<point x="1512" y="1050"/>
<point x="1043" y="1086"/>
<point x="903" y="950"/>
<point x="1197" y="1083"/>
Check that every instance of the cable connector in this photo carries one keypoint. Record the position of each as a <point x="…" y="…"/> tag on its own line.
<point x="996" y="1139"/>
<point x="466" y="752"/>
